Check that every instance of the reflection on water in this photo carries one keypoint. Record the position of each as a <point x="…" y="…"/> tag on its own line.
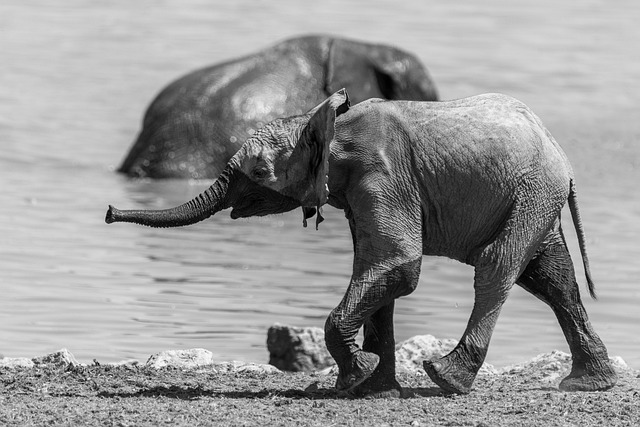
<point x="75" y="84"/>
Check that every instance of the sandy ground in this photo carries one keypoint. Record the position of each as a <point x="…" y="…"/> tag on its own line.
<point x="60" y="393"/>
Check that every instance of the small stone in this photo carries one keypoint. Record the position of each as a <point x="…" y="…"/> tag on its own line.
<point x="312" y="388"/>
<point x="16" y="362"/>
<point x="619" y="363"/>
<point x="188" y="359"/>
<point x="411" y="353"/>
<point x="553" y="361"/>
<point x="61" y="358"/>
<point x="125" y="362"/>
<point x="236" y="366"/>
<point x="258" y="368"/>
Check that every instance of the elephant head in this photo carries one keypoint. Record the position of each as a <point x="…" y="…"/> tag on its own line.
<point x="377" y="71"/>
<point x="281" y="167"/>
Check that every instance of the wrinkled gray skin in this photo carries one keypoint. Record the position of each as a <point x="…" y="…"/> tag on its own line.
<point x="479" y="180"/>
<point x="197" y="123"/>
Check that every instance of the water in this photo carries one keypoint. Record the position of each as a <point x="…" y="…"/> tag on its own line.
<point x="75" y="80"/>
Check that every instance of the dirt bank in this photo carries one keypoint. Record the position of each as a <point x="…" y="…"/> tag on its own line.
<point x="235" y="394"/>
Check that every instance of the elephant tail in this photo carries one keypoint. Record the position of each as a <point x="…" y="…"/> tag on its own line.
<point x="577" y="222"/>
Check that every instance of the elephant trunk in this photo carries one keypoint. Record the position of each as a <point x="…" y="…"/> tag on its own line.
<point x="201" y="207"/>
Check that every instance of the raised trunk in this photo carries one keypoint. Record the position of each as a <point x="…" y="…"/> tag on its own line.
<point x="210" y="201"/>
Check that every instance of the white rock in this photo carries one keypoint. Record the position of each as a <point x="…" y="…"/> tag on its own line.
<point x="16" y="362"/>
<point x="60" y="358"/>
<point x="259" y="368"/>
<point x="191" y="358"/>
<point x="556" y="361"/>
<point x="619" y="363"/>
<point x="244" y="367"/>
<point x="331" y="370"/>
<point x="411" y="353"/>
<point x="125" y="362"/>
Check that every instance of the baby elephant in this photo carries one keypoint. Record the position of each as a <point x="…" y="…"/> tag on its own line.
<point x="479" y="180"/>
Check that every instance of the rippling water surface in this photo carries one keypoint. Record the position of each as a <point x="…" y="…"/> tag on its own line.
<point x="74" y="83"/>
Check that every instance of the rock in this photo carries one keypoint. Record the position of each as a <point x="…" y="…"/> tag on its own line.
<point x="243" y="367"/>
<point x="546" y="367"/>
<point x="297" y="349"/>
<point x="411" y="353"/>
<point x="258" y="368"/>
<point x="303" y="349"/>
<point x="331" y="370"/>
<point x="619" y="363"/>
<point x="188" y="359"/>
<point x="125" y="362"/>
<point x="553" y="361"/>
<point x="61" y="358"/>
<point x="550" y="367"/>
<point x="16" y="362"/>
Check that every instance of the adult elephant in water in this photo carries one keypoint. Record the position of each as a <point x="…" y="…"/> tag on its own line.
<point x="198" y="122"/>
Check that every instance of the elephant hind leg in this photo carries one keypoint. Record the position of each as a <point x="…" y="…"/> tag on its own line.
<point x="456" y="371"/>
<point x="379" y="339"/>
<point x="550" y="277"/>
<point x="497" y="267"/>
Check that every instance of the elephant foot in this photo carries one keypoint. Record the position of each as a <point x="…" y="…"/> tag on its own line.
<point x="379" y="386"/>
<point x="362" y="366"/>
<point x="448" y="376"/>
<point x="590" y="378"/>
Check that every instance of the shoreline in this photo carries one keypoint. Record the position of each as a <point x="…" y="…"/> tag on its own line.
<point x="550" y="366"/>
<point x="28" y="362"/>
<point x="293" y="348"/>
<point x="57" y="392"/>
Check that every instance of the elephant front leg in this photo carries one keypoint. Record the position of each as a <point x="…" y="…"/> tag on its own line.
<point x="371" y="303"/>
<point x="386" y="265"/>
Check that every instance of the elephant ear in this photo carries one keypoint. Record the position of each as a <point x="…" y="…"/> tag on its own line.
<point x="348" y="65"/>
<point x="401" y="75"/>
<point x="315" y="140"/>
<point x="390" y="78"/>
<point x="368" y="70"/>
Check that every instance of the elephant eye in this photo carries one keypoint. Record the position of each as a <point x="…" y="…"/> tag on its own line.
<point x="260" y="173"/>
